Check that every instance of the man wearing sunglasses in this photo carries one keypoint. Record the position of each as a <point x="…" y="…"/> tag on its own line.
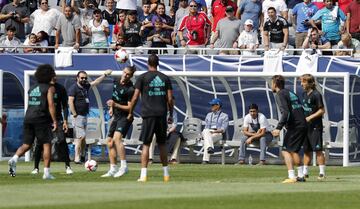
<point x="79" y="104"/>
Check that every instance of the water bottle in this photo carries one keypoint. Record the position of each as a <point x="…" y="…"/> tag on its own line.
<point x="250" y="160"/>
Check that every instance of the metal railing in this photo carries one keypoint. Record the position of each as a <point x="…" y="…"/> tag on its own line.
<point x="180" y="50"/>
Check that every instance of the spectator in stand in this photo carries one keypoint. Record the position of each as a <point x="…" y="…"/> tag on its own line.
<point x="198" y="27"/>
<point x="290" y="5"/>
<point x="168" y="23"/>
<point x="250" y="9"/>
<point x="132" y="30"/>
<point x="120" y="42"/>
<point x="315" y="41"/>
<point x="111" y="15"/>
<point x="9" y="40"/>
<point x="98" y="30"/>
<point x="44" y="19"/>
<point x="202" y="7"/>
<point x="32" y="42"/>
<point x="218" y="12"/>
<point x="279" y="6"/>
<point x="248" y="39"/>
<point x="42" y="38"/>
<point x="182" y="11"/>
<point x="16" y="14"/>
<point x="227" y="32"/>
<point x="68" y="25"/>
<point x="153" y="6"/>
<point x="319" y="3"/>
<point x="86" y="15"/>
<point x="120" y="23"/>
<point x="348" y="43"/>
<point x="126" y="4"/>
<point x="145" y="18"/>
<point x="353" y="19"/>
<point x="32" y="5"/>
<point x="330" y="17"/>
<point x="275" y="32"/>
<point x="3" y="3"/>
<point x="302" y="14"/>
<point x="158" y="37"/>
<point x="343" y="4"/>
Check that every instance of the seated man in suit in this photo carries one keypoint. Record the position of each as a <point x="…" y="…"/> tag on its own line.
<point x="216" y="124"/>
<point x="256" y="129"/>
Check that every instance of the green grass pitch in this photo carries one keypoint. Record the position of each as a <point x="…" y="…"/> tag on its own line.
<point x="191" y="186"/>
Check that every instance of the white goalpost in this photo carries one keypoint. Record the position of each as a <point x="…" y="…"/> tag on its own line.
<point x="180" y="76"/>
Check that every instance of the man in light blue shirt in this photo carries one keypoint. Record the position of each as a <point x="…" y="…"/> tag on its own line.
<point x="330" y="17"/>
<point x="302" y="13"/>
<point x="250" y="9"/>
<point x="216" y="124"/>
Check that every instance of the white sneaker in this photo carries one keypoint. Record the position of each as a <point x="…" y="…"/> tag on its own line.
<point x="35" y="171"/>
<point x="110" y="173"/>
<point x="121" y="172"/>
<point x="69" y="171"/>
<point x="12" y="168"/>
<point x="48" y="177"/>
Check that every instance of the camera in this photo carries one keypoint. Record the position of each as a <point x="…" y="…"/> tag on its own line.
<point x="13" y="14"/>
<point x="306" y="23"/>
<point x="194" y="35"/>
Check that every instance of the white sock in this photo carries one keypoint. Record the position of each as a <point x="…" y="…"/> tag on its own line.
<point x="300" y="171"/>
<point x="15" y="158"/>
<point x="291" y="174"/>
<point x="46" y="171"/>
<point x="305" y="170"/>
<point x="322" y="169"/>
<point x="123" y="164"/>
<point x="166" y="171"/>
<point x="113" y="167"/>
<point x="143" y="173"/>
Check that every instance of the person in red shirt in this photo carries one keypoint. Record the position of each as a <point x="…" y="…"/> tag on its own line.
<point x="353" y="19"/>
<point x="343" y="4"/>
<point x="218" y="11"/>
<point x="197" y="25"/>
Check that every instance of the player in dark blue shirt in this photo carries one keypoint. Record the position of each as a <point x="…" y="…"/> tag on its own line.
<point x="293" y="118"/>
<point x="119" y="104"/>
<point x="314" y="110"/>
<point x="156" y="99"/>
<point x="40" y="116"/>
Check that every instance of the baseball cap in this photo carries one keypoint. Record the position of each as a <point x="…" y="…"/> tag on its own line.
<point x="215" y="101"/>
<point x="229" y="9"/>
<point x="249" y="22"/>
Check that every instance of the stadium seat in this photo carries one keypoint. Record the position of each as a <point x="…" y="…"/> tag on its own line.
<point x="135" y="134"/>
<point x="191" y="131"/>
<point x="339" y="139"/>
<point x="93" y="133"/>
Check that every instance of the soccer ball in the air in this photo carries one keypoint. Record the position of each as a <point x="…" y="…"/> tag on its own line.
<point x="91" y="165"/>
<point x="121" y="56"/>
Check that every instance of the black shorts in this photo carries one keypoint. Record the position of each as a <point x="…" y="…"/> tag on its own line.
<point x="314" y="140"/>
<point x="151" y="125"/>
<point x="42" y="132"/>
<point x="294" y="139"/>
<point x="120" y="124"/>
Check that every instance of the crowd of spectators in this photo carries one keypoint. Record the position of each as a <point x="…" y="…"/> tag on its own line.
<point x="95" y="25"/>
